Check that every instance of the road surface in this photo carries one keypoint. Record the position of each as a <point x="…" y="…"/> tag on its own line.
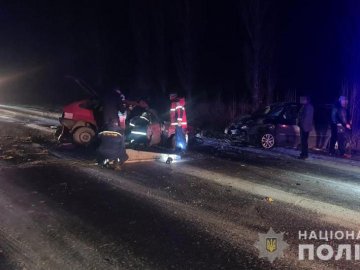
<point x="60" y="211"/>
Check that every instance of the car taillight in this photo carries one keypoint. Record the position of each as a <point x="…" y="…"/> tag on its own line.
<point x="68" y="115"/>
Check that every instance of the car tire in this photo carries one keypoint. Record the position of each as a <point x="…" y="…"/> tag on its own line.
<point x="267" y="140"/>
<point x="84" y="135"/>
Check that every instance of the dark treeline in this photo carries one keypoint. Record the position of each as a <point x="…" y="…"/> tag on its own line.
<point x="239" y="52"/>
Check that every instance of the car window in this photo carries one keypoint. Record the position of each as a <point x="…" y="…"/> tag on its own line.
<point x="262" y="111"/>
<point x="291" y="113"/>
<point x="275" y="111"/>
<point x="270" y="111"/>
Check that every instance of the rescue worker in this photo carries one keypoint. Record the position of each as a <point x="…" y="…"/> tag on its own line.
<point x="112" y="143"/>
<point x="178" y="121"/>
<point x="177" y="111"/>
<point x="305" y="122"/>
<point x="340" y="126"/>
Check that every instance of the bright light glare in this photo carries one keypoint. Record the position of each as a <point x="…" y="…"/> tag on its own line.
<point x="165" y="157"/>
<point x="138" y="133"/>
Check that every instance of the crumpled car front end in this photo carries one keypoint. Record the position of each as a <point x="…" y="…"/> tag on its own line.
<point x="237" y="132"/>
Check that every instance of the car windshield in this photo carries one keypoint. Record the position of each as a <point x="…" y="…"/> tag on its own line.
<point x="271" y="110"/>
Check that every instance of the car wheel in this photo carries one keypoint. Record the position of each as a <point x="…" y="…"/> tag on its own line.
<point x="267" y="141"/>
<point x="83" y="135"/>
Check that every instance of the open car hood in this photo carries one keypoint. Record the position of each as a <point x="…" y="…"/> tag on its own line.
<point x="84" y="86"/>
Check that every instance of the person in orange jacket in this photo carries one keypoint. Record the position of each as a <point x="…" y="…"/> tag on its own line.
<point x="177" y="111"/>
<point x="178" y="121"/>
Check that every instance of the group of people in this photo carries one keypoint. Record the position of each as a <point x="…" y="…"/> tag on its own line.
<point x="114" y="104"/>
<point x="340" y="126"/>
<point x="114" y="113"/>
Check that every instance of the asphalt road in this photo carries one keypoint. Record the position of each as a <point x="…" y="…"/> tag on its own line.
<point x="60" y="211"/>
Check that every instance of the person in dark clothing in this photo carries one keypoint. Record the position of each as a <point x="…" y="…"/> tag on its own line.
<point x="340" y="125"/>
<point x="305" y="122"/>
<point x="112" y="141"/>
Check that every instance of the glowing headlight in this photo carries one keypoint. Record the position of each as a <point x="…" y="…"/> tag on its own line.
<point x="244" y="127"/>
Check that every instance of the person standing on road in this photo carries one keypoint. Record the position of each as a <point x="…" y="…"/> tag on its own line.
<point x="112" y="143"/>
<point x="305" y="122"/>
<point x="340" y="125"/>
<point x="178" y="122"/>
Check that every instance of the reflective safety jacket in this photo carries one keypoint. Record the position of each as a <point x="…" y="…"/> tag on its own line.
<point x="178" y="113"/>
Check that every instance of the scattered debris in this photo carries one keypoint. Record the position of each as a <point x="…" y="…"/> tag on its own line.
<point x="169" y="160"/>
<point x="24" y="146"/>
<point x="269" y="199"/>
<point x="6" y="157"/>
<point x="26" y="140"/>
<point x="35" y="145"/>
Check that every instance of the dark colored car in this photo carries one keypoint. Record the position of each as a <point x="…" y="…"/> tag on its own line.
<point x="276" y="124"/>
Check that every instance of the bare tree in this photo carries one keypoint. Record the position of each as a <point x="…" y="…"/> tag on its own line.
<point x="160" y="52"/>
<point x="184" y="48"/>
<point x="189" y="22"/>
<point x="270" y="85"/>
<point x="259" y="50"/>
<point x="139" y="17"/>
<point x="349" y="32"/>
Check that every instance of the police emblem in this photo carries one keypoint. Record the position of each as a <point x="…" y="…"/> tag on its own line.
<point x="271" y="245"/>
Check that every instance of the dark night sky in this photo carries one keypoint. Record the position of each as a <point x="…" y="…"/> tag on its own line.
<point x="133" y="45"/>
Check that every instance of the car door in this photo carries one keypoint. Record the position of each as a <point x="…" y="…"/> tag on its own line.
<point x="287" y="130"/>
